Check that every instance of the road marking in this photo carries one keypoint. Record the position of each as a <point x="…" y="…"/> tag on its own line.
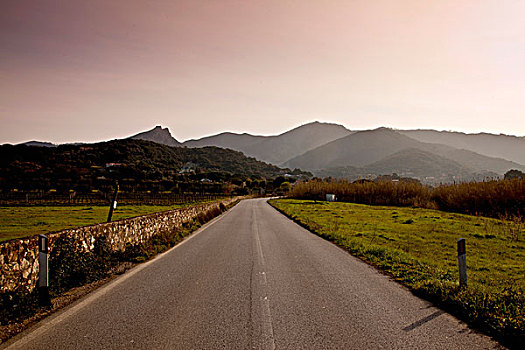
<point x="267" y="336"/>
<point x="21" y="340"/>
<point x="258" y="241"/>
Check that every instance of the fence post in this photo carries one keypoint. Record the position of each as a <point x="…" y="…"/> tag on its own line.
<point x="113" y="202"/>
<point x="43" y="273"/>
<point x="462" y="262"/>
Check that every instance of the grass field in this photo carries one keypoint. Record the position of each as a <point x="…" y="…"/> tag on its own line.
<point x="419" y="248"/>
<point x="18" y="222"/>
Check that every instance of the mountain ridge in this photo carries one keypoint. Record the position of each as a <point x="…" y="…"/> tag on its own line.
<point x="503" y="146"/>
<point x="276" y="149"/>
<point x="159" y="135"/>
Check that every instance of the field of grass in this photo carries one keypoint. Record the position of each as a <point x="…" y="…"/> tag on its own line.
<point x="18" y="222"/>
<point x="418" y="247"/>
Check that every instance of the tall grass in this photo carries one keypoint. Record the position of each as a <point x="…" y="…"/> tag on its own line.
<point x="505" y="198"/>
<point x="499" y="199"/>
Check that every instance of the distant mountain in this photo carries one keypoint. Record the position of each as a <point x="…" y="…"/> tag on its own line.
<point x="500" y="146"/>
<point x="280" y="148"/>
<point x="383" y="151"/>
<point x="236" y="142"/>
<point x="38" y="144"/>
<point x="412" y="163"/>
<point x="158" y="135"/>
<point x="358" y="149"/>
<point x="418" y="163"/>
<point x="472" y="160"/>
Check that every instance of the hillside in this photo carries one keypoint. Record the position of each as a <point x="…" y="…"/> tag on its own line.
<point x="280" y="148"/>
<point x="500" y="146"/>
<point x="410" y="162"/>
<point x="134" y="162"/>
<point x="236" y="142"/>
<point x="158" y="135"/>
<point x="358" y="149"/>
<point x="472" y="160"/>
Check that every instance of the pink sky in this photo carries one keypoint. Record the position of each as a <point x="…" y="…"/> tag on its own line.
<point x="95" y="70"/>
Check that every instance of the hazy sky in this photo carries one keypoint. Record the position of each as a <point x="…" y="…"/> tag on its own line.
<point x="93" y="70"/>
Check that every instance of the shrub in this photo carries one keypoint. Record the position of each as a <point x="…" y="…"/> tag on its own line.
<point x="17" y="305"/>
<point x="70" y="266"/>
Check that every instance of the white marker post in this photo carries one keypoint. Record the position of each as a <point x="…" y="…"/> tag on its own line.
<point x="462" y="262"/>
<point x="43" y="273"/>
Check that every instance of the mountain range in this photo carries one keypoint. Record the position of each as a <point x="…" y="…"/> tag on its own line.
<point x="328" y="149"/>
<point x="332" y="150"/>
<point x="499" y="146"/>
<point x="385" y="150"/>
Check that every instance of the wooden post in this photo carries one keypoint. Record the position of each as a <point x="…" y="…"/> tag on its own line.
<point x="462" y="262"/>
<point x="113" y="202"/>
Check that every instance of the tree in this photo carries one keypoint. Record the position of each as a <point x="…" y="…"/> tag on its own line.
<point x="278" y="181"/>
<point x="514" y="174"/>
<point x="285" y="187"/>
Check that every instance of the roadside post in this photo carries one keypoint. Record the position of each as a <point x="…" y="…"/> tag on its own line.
<point x="43" y="273"/>
<point x="462" y="262"/>
<point x="113" y="205"/>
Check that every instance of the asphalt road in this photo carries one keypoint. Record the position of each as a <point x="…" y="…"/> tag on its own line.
<point x="252" y="279"/>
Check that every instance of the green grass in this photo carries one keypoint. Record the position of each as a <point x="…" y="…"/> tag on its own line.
<point x="18" y="222"/>
<point x="418" y="248"/>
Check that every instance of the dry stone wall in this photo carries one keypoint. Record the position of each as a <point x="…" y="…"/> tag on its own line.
<point x="19" y="257"/>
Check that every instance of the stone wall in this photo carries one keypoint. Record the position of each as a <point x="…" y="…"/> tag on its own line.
<point x="19" y="257"/>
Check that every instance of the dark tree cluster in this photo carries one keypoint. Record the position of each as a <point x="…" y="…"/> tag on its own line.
<point x="137" y="165"/>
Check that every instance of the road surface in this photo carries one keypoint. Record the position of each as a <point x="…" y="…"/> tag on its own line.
<point x="252" y="279"/>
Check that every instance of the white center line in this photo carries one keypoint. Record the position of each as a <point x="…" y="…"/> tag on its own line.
<point x="268" y="341"/>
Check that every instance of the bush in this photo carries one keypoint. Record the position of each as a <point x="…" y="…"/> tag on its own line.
<point x="70" y="266"/>
<point x="17" y="305"/>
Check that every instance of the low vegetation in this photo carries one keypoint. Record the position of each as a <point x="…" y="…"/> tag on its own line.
<point x="418" y="248"/>
<point x="497" y="199"/>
